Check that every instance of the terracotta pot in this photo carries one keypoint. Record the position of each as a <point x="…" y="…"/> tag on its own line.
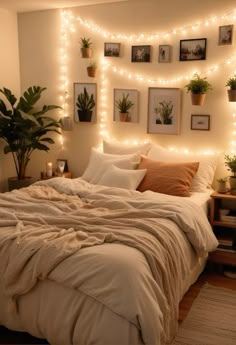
<point x="91" y="71"/>
<point x="15" y="183"/>
<point x="232" y="95"/>
<point x="86" y="52"/>
<point x="124" y="117"/>
<point x="198" y="98"/>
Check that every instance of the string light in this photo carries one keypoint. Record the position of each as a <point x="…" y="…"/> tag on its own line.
<point x="68" y="25"/>
<point x="71" y="20"/>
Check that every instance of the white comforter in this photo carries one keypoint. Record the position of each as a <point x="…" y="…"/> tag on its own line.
<point x="85" y="264"/>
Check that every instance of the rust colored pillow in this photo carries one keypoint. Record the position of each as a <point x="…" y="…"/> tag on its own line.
<point x="167" y="178"/>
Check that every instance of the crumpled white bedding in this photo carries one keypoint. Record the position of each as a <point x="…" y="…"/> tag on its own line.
<point x="96" y="265"/>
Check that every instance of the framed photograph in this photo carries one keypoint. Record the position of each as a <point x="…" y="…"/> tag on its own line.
<point x="200" y="122"/>
<point x="164" y="53"/>
<point x="81" y="112"/>
<point x="164" y="106"/>
<point x="125" y="96"/>
<point x="112" y="49"/>
<point x="141" y="54"/>
<point x="194" y="49"/>
<point x="61" y="166"/>
<point x="225" y="34"/>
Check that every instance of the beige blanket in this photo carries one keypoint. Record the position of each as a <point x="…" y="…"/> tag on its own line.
<point x="43" y="225"/>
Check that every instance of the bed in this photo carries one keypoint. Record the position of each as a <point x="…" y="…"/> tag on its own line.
<point x="84" y="263"/>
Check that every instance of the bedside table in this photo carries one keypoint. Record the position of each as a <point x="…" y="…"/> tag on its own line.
<point x="223" y="222"/>
<point x="67" y="174"/>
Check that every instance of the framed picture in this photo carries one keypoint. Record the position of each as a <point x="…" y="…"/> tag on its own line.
<point x="226" y="34"/>
<point x="194" y="49"/>
<point x="200" y="122"/>
<point x="61" y="166"/>
<point x="81" y="91"/>
<point x="164" y="53"/>
<point x="112" y="49"/>
<point x="164" y="110"/>
<point x="141" y="54"/>
<point x="126" y="95"/>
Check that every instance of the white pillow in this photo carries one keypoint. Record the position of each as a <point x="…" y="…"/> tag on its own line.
<point x="116" y="147"/>
<point x="207" y="165"/>
<point x="124" y="163"/>
<point x="122" y="178"/>
<point x="97" y="158"/>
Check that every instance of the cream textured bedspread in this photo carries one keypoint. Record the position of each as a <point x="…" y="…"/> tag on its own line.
<point x="105" y="265"/>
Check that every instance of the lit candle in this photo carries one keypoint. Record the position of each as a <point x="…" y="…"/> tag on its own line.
<point x="49" y="169"/>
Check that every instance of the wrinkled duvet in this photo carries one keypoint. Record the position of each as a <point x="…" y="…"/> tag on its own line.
<point x="84" y="264"/>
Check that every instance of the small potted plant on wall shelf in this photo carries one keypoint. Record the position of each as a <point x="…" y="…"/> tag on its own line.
<point x="198" y="87"/>
<point x="86" y="47"/>
<point x="231" y="84"/>
<point x="92" y="69"/>
<point x="230" y="163"/>
<point x="85" y="104"/>
<point x="123" y="105"/>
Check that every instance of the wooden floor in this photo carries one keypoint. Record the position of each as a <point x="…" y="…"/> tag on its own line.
<point x="8" y="337"/>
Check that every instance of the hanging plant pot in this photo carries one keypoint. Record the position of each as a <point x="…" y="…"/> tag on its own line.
<point x="85" y="115"/>
<point x="91" y="71"/>
<point x="232" y="95"/>
<point x="198" y="98"/>
<point x="86" y="52"/>
<point x="124" y="117"/>
<point x="15" y="183"/>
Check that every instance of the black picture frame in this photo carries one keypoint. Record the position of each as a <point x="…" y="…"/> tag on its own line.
<point x="141" y="53"/>
<point x="112" y="49"/>
<point x="192" y="49"/>
<point x="200" y="122"/>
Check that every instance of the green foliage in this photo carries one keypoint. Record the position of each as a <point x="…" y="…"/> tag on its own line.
<point x="84" y="101"/>
<point x="230" y="163"/>
<point x="165" y="109"/>
<point x="198" y="85"/>
<point x="85" y="42"/>
<point x="93" y="64"/>
<point x="222" y="179"/>
<point x="24" y="127"/>
<point x="231" y="83"/>
<point x="124" y="104"/>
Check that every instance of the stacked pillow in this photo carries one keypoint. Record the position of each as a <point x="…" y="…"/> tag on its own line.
<point x="113" y="170"/>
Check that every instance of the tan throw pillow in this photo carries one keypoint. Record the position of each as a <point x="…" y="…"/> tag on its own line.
<point x="167" y="178"/>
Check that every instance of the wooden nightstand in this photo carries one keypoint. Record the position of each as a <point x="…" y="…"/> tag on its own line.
<point x="67" y="174"/>
<point x="223" y="221"/>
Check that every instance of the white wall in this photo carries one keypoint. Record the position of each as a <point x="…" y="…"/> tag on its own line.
<point x="40" y="43"/>
<point x="10" y="76"/>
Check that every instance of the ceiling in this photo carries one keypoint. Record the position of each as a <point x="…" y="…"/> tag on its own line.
<point x="37" y="5"/>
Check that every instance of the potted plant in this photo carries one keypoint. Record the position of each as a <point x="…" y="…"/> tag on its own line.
<point x="198" y="87"/>
<point x="24" y="128"/>
<point x="85" y="104"/>
<point x="230" y="163"/>
<point x="86" y="47"/>
<point x="123" y="105"/>
<point x="92" y="69"/>
<point x="222" y="185"/>
<point x="231" y="84"/>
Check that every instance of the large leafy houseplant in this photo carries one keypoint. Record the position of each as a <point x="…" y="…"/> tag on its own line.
<point x="24" y="127"/>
